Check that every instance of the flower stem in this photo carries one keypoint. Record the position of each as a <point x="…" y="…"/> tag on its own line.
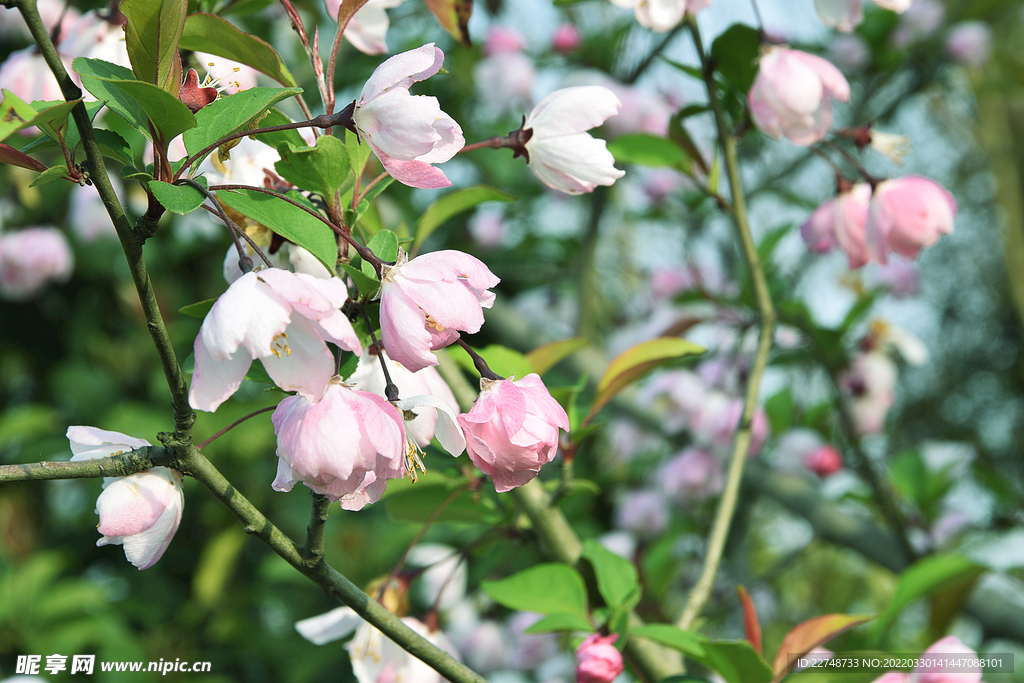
<point x="727" y="504"/>
<point x="233" y="425"/>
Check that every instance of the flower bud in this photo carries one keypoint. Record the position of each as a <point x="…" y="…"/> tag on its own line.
<point x="597" y="659"/>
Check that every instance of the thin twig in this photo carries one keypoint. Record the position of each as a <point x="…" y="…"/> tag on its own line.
<point x="233" y="425"/>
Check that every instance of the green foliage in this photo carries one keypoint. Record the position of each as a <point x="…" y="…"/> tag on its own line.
<point x="735" y="54"/>
<point x="226" y="115"/>
<point x="152" y="33"/>
<point x="216" y="35"/>
<point x="547" y="588"/>
<point x="452" y="204"/>
<point x="180" y="199"/>
<point x="323" y="168"/>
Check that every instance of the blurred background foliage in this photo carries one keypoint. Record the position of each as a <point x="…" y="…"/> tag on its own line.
<point x="79" y="354"/>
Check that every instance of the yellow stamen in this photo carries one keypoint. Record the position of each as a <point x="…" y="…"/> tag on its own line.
<point x="279" y="345"/>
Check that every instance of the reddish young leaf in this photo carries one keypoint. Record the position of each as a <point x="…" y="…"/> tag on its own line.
<point x="9" y="155"/>
<point x="453" y="16"/>
<point x="809" y="635"/>
<point x="751" y="625"/>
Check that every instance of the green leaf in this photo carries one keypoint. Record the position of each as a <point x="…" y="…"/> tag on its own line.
<point x="138" y="103"/>
<point x="678" y="133"/>
<point x="453" y="15"/>
<point x="72" y="138"/>
<point x="547" y="588"/>
<point x="113" y="146"/>
<point x="286" y="220"/>
<point x="635" y="362"/>
<point x="279" y="137"/>
<point x="226" y="115"/>
<point x="15" y="114"/>
<point x="810" y="634"/>
<point x="322" y="169"/>
<point x="617" y="578"/>
<point x="53" y="119"/>
<point x="132" y="173"/>
<point x="180" y="199"/>
<point x="218" y="36"/>
<point x="408" y="503"/>
<point x="9" y="155"/>
<point x="780" y="409"/>
<point x="560" y="622"/>
<point x="454" y="203"/>
<point x="646" y="149"/>
<point x="687" y="642"/>
<point x="384" y="246"/>
<point x="736" y="661"/>
<point x="735" y="52"/>
<point x="543" y="358"/>
<point x="366" y="285"/>
<point x="50" y="174"/>
<point x="358" y="152"/>
<point x="921" y="579"/>
<point x="198" y="309"/>
<point x="151" y="36"/>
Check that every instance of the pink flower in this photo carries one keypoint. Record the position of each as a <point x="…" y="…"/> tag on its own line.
<point x="824" y="460"/>
<point x="641" y="111"/>
<point x="512" y="430"/>
<point x="970" y="43"/>
<point x="566" y="38"/>
<point x="560" y="151"/>
<point x="948" y="647"/>
<point x="715" y="422"/>
<point x="407" y="133"/>
<point x="597" y="659"/>
<point x="692" y="474"/>
<point x="791" y="95"/>
<point x="643" y="512"/>
<point x="26" y="74"/>
<point x="841" y="221"/>
<point x="97" y="37"/>
<point x="282" y="318"/>
<point x="425" y="301"/>
<point x="505" y="81"/>
<point x="31" y="258"/>
<point x="503" y="39"/>
<point x="487" y="227"/>
<point x="368" y="27"/>
<point x="141" y="511"/>
<point x="661" y="15"/>
<point x="907" y="214"/>
<point x="344" y="446"/>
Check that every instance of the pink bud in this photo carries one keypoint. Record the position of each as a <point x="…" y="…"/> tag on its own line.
<point x="824" y="460"/>
<point x="512" y="430"/>
<point x="31" y="258"/>
<point x="907" y="214"/>
<point x="791" y="95"/>
<point x="566" y="39"/>
<point x="841" y="221"/>
<point x="503" y="39"/>
<point x="597" y="659"/>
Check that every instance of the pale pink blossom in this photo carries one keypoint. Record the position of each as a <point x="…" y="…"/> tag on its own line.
<point x="504" y="81"/>
<point x="661" y="15"/>
<point x="898" y="6"/>
<point x="502" y="38"/>
<point x="870" y="384"/>
<point x="97" y="37"/>
<point x="368" y="27"/>
<point x="141" y="511"/>
<point x="840" y="221"/>
<point x="418" y="391"/>
<point x="425" y="301"/>
<point x="691" y="474"/>
<point x="947" y="648"/>
<point x="842" y="15"/>
<point x="12" y="26"/>
<point x="907" y="214"/>
<point x="643" y="512"/>
<point x="284" y="319"/>
<point x="560" y="151"/>
<point x="512" y="430"/>
<point x="970" y="43"/>
<point x="901" y="277"/>
<point x="488" y="228"/>
<point x="641" y="111"/>
<point x="824" y="460"/>
<point x="597" y="659"/>
<point x="26" y="74"/>
<point x="344" y="446"/>
<point x="716" y="420"/>
<point x="849" y="52"/>
<point x="32" y="258"/>
<point x="792" y="95"/>
<point x="408" y="133"/>
<point x="566" y="38"/>
<point x="920" y="22"/>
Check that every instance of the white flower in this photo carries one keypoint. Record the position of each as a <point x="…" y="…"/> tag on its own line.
<point x="661" y="15"/>
<point x="560" y="151"/>
<point x="368" y="27"/>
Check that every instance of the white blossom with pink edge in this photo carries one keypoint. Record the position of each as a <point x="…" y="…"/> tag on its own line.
<point x="661" y="15"/>
<point x="841" y="221"/>
<point x="31" y="258"/>
<point x="141" y="511"/>
<point x="345" y="446"/>
<point x="560" y="151"/>
<point x="426" y="300"/>
<point x="512" y="430"/>
<point x="907" y="214"/>
<point x="368" y="27"/>
<point x="282" y="318"/>
<point x="792" y="95"/>
<point x="408" y="133"/>
<point x="375" y="657"/>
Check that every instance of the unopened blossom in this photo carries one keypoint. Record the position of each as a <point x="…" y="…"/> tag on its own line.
<point x="346" y="445"/>
<point x="560" y="151"/>
<point x="425" y="301"/>
<point x="430" y="404"/>
<point x="284" y="319"/>
<point x="970" y="43"/>
<point x="824" y="460"/>
<point x="408" y="133"/>
<point x="31" y="258"/>
<point x="501" y="38"/>
<point x="691" y="474"/>
<point x="840" y="221"/>
<point x="907" y="214"/>
<point x="597" y="659"/>
<point x="141" y="511"/>
<point x="661" y="15"/>
<point x="641" y="111"/>
<point x="368" y="27"/>
<point x="792" y="95"/>
<point x="512" y="430"/>
<point x="566" y="38"/>
<point x="375" y="657"/>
